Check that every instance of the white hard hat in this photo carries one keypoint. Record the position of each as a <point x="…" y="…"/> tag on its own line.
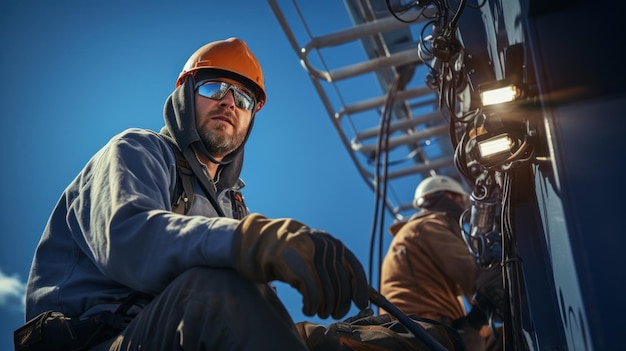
<point x="434" y="184"/>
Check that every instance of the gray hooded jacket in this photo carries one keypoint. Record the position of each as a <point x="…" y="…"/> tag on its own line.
<point x="112" y="231"/>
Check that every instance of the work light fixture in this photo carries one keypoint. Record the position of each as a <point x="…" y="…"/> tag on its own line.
<point x="513" y="86"/>
<point x="495" y="143"/>
<point x="499" y="92"/>
<point x="491" y="147"/>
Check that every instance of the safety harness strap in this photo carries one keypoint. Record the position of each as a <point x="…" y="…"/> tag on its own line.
<point x="181" y="203"/>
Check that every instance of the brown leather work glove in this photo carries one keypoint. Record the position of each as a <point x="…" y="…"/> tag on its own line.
<point x="320" y="267"/>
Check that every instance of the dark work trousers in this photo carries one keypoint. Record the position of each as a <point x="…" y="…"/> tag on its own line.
<point x="210" y="309"/>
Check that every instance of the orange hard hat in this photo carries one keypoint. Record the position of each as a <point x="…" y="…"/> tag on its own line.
<point x="231" y="55"/>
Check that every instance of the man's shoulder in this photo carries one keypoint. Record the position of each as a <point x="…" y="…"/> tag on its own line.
<point x="433" y="217"/>
<point x="141" y="136"/>
<point x="425" y="215"/>
<point x="140" y="141"/>
<point x="138" y="134"/>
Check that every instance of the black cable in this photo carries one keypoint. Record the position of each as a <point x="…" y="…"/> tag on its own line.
<point x="457" y="14"/>
<point x="477" y="6"/>
<point x="376" y="204"/>
<point x="379" y="300"/>
<point x="460" y="156"/>
<point x="513" y="329"/>
<point x="387" y="113"/>
<point x="423" y="36"/>
<point x="380" y="195"/>
<point x="405" y="9"/>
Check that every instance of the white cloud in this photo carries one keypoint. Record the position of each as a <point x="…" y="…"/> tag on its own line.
<point x="12" y="292"/>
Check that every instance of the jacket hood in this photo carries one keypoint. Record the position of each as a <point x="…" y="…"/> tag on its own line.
<point x="180" y="124"/>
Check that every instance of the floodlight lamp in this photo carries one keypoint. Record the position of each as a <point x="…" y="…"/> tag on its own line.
<point x="499" y="92"/>
<point x="495" y="146"/>
<point x="497" y="149"/>
<point x="500" y="95"/>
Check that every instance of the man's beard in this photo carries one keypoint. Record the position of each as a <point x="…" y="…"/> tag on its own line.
<point x="220" y="144"/>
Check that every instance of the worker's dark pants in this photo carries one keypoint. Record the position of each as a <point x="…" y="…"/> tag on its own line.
<point x="210" y="309"/>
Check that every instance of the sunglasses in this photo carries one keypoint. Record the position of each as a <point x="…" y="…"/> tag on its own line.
<point x="216" y="90"/>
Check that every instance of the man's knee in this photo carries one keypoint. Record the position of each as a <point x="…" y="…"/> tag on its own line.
<point x="221" y="292"/>
<point x="212" y="308"/>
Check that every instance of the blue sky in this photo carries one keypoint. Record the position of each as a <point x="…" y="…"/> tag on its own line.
<point x="75" y="73"/>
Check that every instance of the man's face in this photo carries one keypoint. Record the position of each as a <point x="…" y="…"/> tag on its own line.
<point x="221" y="125"/>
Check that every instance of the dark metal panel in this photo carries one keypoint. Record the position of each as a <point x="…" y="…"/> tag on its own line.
<point x="581" y="85"/>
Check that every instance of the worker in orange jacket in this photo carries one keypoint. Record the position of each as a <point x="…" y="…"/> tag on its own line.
<point x="428" y="270"/>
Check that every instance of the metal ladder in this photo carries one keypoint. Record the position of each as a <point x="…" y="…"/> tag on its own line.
<point x="380" y="48"/>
